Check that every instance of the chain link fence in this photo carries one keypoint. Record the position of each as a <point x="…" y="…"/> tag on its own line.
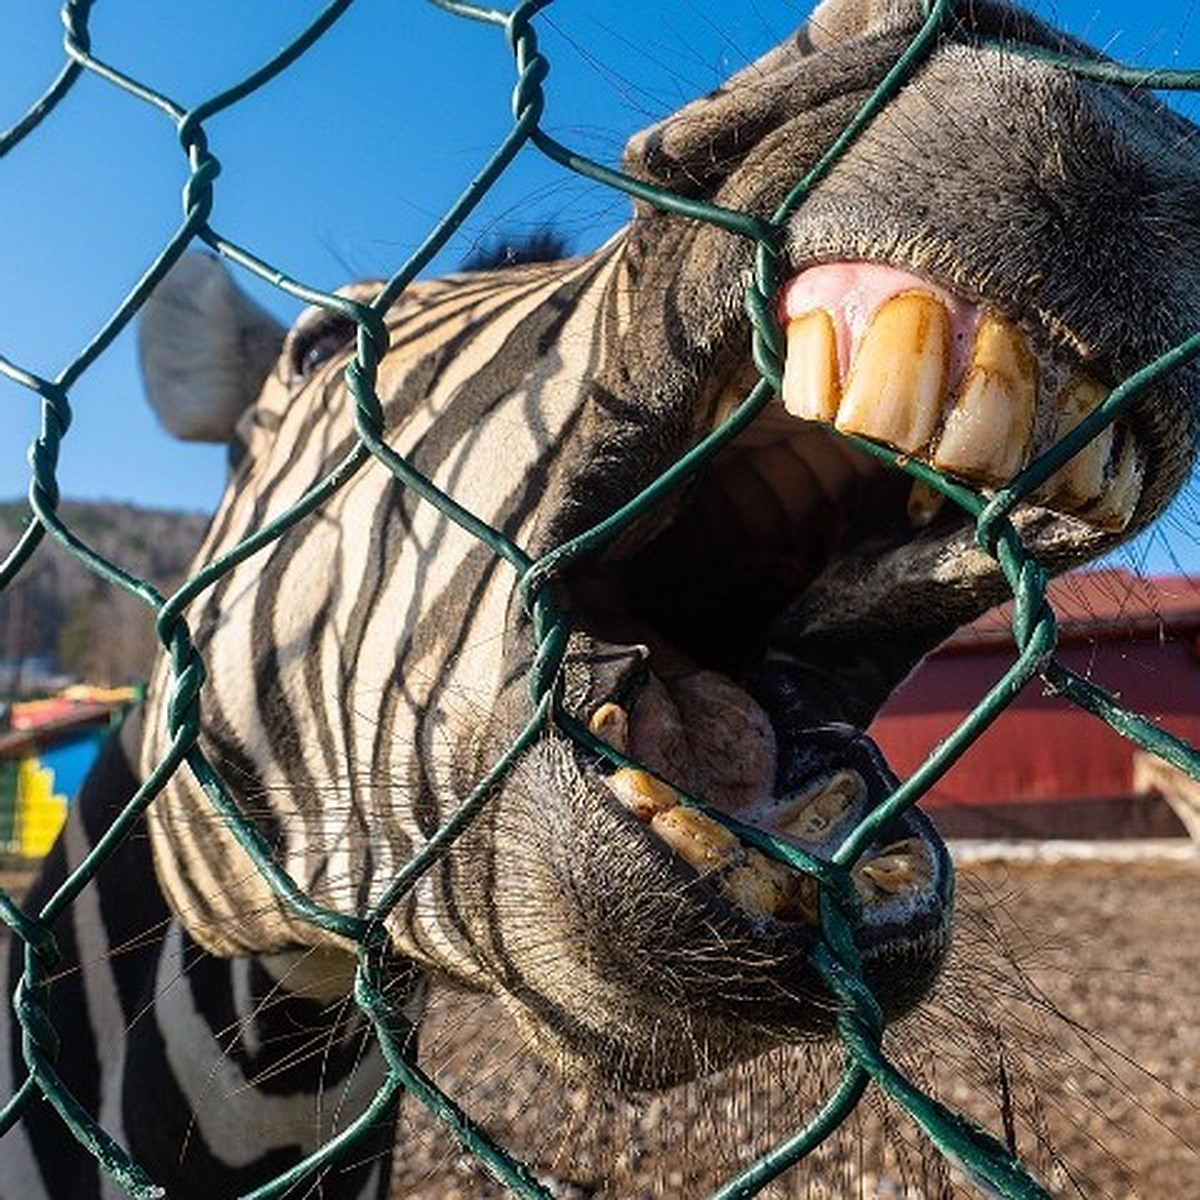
<point x="987" y="1163"/>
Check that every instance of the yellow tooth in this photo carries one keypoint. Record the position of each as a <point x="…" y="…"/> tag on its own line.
<point x="1080" y="480"/>
<point x="924" y="504"/>
<point x="640" y="792"/>
<point x="1114" y="510"/>
<point x="1103" y="482"/>
<point x="768" y="888"/>
<point x="610" y="723"/>
<point x="987" y="433"/>
<point x="898" y="379"/>
<point x="811" y="375"/>
<point x="890" y="872"/>
<point x="899" y="868"/>
<point x="759" y="885"/>
<point x="814" y="816"/>
<point x="697" y="839"/>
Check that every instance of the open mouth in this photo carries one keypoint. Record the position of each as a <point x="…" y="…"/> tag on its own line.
<point x="712" y="684"/>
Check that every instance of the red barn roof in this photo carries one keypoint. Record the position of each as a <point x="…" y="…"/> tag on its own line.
<point x="1107" y="605"/>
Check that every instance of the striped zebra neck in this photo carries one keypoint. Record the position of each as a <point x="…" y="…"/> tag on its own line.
<point x="213" y="1073"/>
<point x="490" y="430"/>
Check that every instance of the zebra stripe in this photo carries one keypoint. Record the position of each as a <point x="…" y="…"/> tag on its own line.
<point x="367" y="668"/>
<point x="396" y="575"/>
<point x="214" y="1073"/>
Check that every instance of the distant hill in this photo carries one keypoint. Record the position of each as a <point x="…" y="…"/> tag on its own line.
<point x="58" y="617"/>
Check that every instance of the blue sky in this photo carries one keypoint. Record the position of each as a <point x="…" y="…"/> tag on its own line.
<point x="339" y="167"/>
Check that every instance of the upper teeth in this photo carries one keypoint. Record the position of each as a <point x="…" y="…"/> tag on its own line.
<point x="988" y="430"/>
<point x="899" y="377"/>
<point x="812" y="381"/>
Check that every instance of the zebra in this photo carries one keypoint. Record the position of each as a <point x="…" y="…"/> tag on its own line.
<point x="962" y="290"/>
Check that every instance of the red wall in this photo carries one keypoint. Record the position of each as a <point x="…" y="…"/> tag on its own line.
<point x="1042" y="747"/>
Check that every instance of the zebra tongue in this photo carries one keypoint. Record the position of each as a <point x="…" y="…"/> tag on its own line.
<point x="689" y="725"/>
<point x="707" y="736"/>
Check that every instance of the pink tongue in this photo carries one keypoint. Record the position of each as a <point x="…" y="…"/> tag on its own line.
<point x="701" y="732"/>
<point x="851" y="292"/>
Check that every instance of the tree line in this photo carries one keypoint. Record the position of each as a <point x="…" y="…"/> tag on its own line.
<point x="57" y="617"/>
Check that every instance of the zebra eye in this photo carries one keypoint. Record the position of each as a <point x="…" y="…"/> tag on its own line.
<point x="318" y="343"/>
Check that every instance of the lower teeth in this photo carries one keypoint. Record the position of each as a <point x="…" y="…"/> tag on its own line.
<point x="610" y="723"/>
<point x="896" y="870"/>
<point x="763" y="887"/>
<point x="641" y="793"/>
<point x="756" y="884"/>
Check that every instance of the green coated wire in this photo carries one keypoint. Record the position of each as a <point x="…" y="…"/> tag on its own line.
<point x="987" y="1164"/>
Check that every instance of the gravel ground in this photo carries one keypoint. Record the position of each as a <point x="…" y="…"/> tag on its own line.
<point x="1068" y="1016"/>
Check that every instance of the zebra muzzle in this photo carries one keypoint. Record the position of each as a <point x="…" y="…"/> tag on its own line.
<point x="735" y="647"/>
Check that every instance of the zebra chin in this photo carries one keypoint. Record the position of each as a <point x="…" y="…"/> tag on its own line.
<point x="630" y="961"/>
<point x="644" y="944"/>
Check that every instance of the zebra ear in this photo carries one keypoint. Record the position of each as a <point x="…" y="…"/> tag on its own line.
<point x="695" y="149"/>
<point x="206" y="349"/>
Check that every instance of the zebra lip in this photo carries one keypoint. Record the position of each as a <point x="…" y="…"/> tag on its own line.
<point x="719" y="746"/>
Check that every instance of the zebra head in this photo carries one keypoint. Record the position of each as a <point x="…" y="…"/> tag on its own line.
<point x="1003" y="244"/>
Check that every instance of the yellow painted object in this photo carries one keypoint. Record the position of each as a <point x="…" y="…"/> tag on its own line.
<point x="40" y="812"/>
